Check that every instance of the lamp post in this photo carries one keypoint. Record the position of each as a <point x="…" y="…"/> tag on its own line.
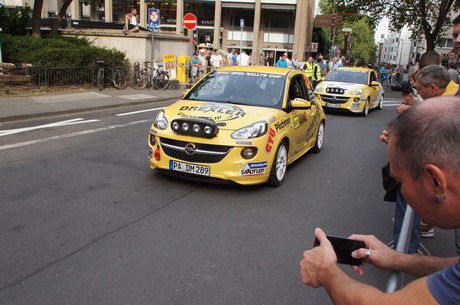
<point x="401" y="41"/>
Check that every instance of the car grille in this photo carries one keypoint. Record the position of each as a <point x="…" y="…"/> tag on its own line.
<point x="204" y="153"/>
<point x="334" y="99"/>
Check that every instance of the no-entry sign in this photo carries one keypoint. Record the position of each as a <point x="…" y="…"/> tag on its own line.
<point x="190" y="21"/>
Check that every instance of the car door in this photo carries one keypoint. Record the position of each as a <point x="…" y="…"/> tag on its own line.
<point x="300" y="118"/>
<point x="374" y="90"/>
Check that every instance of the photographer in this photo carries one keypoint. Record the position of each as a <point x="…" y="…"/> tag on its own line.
<point x="430" y="184"/>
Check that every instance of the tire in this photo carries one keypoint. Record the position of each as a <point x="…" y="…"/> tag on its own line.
<point x="161" y="81"/>
<point x="119" y="79"/>
<point x="319" y="138"/>
<point x="138" y="80"/>
<point x="366" y="109"/>
<point x="279" y="166"/>
<point x="380" y="107"/>
<point x="100" y="79"/>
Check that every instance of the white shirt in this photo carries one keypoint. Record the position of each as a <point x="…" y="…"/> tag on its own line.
<point x="216" y="61"/>
<point x="243" y="59"/>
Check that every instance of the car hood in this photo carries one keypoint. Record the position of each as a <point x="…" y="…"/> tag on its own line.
<point x="226" y="115"/>
<point x="345" y="86"/>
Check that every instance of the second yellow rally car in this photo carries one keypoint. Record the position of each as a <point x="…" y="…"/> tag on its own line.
<point x="239" y="124"/>
<point x="351" y="89"/>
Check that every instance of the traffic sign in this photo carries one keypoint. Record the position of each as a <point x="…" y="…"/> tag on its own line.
<point x="190" y="21"/>
<point x="154" y="19"/>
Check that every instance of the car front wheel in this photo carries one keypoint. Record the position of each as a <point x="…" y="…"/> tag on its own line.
<point x="279" y="166"/>
<point x="366" y="109"/>
<point x="319" y="138"/>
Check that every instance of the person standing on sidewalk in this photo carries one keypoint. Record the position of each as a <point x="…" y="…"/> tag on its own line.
<point x="242" y="59"/>
<point x="216" y="60"/>
<point x="309" y="69"/>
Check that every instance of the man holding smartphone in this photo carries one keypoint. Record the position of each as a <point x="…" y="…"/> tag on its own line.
<point x="431" y="184"/>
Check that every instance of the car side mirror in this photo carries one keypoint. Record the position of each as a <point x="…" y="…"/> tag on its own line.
<point x="375" y="83"/>
<point x="300" y="103"/>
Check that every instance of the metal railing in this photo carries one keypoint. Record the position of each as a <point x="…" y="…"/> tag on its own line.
<point x="44" y="78"/>
<point x="396" y="279"/>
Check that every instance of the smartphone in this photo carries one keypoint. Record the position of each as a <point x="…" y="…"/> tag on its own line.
<point x="343" y="248"/>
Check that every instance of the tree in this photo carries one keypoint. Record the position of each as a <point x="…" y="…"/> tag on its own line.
<point x="37" y="18"/>
<point x="62" y="11"/>
<point x="429" y="18"/>
<point x="363" y="48"/>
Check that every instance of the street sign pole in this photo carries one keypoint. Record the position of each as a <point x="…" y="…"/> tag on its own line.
<point x="241" y="35"/>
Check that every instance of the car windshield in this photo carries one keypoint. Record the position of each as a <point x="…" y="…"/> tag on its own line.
<point x="348" y="76"/>
<point x="244" y="88"/>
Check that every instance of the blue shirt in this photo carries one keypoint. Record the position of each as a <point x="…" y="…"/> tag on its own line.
<point x="444" y="285"/>
<point x="282" y="63"/>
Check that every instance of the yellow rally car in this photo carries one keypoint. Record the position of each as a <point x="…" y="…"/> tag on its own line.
<point x="351" y="89"/>
<point x="238" y="124"/>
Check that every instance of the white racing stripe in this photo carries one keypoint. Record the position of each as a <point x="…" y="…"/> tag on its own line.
<point x="140" y="111"/>
<point x="69" y="135"/>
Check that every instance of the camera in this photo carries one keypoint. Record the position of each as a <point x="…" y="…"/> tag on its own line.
<point x="406" y="87"/>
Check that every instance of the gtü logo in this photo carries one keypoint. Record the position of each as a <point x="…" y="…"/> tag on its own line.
<point x="271" y="140"/>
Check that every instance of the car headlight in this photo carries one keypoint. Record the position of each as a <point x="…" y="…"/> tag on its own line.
<point x="255" y="130"/>
<point x="357" y="91"/>
<point x="319" y="88"/>
<point x="160" y="121"/>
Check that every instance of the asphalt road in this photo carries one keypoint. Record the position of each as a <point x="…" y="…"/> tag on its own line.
<point x="84" y="220"/>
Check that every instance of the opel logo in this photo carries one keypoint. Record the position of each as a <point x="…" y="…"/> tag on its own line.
<point x="334" y="98"/>
<point x="190" y="149"/>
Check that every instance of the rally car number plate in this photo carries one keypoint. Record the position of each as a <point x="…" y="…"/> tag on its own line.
<point x="189" y="168"/>
<point x="332" y="105"/>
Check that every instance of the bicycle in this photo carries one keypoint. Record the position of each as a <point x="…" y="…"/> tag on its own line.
<point x="149" y="76"/>
<point x="115" y="76"/>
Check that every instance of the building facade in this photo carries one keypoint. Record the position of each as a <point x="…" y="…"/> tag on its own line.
<point x="258" y="26"/>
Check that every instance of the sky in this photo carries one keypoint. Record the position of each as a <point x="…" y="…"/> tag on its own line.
<point x="382" y="28"/>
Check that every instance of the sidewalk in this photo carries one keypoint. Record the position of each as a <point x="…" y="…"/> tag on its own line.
<point x="43" y="105"/>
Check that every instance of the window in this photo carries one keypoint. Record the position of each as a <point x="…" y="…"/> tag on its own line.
<point x="446" y="43"/>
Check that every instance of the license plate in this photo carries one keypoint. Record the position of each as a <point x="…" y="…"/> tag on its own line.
<point x="332" y="105"/>
<point x="189" y="168"/>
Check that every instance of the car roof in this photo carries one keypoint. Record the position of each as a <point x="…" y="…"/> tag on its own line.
<point x="261" y="69"/>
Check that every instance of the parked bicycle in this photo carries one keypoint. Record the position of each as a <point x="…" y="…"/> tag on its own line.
<point x="148" y="76"/>
<point x="112" y="75"/>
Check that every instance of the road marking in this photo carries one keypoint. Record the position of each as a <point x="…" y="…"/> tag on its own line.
<point x="56" y="124"/>
<point x="70" y="135"/>
<point x="140" y="111"/>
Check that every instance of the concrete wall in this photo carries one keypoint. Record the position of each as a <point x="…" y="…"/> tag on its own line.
<point x="137" y="46"/>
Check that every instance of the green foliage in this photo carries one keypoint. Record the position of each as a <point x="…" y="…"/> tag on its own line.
<point x="14" y="21"/>
<point x="56" y="51"/>
<point x="363" y="48"/>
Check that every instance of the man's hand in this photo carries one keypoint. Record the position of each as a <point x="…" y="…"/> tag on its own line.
<point x="385" y="136"/>
<point x="318" y="261"/>
<point x="402" y="108"/>
<point x="380" y="255"/>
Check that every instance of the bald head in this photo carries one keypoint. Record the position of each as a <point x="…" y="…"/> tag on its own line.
<point x="429" y="133"/>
